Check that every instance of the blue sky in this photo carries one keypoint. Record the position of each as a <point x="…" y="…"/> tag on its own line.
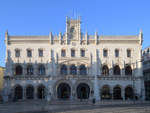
<point x="39" y="17"/>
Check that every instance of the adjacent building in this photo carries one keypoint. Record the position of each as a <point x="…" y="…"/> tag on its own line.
<point x="1" y="80"/>
<point x="146" y="71"/>
<point x="74" y="65"/>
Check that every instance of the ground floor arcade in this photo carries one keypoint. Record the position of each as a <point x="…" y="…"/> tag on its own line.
<point x="65" y="91"/>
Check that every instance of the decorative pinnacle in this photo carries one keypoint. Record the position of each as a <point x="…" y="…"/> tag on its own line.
<point x="141" y="32"/>
<point x="6" y="31"/>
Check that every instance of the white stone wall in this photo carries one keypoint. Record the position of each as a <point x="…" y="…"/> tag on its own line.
<point x="52" y="59"/>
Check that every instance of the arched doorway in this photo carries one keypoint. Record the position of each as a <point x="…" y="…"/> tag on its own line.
<point x="83" y="91"/>
<point x="63" y="91"/>
<point x="117" y="93"/>
<point x="128" y="93"/>
<point x="105" y="92"/>
<point x="41" y="92"/>
<point x="30" y="92"/>
<point x="18" y="92"/>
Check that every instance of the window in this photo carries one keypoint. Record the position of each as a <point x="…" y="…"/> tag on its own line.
<point x="29" y="70"/>
<point x="105" y="70"/>
<point x="63" y="69"/>
<point x="128" y="70"/>
<point x="40" y="53"/>
<point x="73" y="70"/>
<point x="30" y="92"/>
<point x="148" y="50"/>
<point x="29" y="53"/>
<point x="41" y="70"/>
<point x="17" y="53"/>
<point x="63" y="53"/>
<point x="116" y="70"/>
<point x="116" y="53"/>
<point x="128" y="53"/>
<point x="83" y="70"/>
<point x="18" y="70"/>
<point x="105" y="53"/>
<point x="82" y="53"/>
<point x="72" y="53"/>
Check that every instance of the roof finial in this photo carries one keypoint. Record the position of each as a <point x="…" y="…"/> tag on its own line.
<point x="6" y="32"/>
<point x="141" y="36"/>
<point x="141" y="32"/>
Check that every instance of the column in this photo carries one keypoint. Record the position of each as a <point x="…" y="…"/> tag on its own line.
<point x="123" y="94"/>
<point x="68" y="70"/>
<point x="24" y="93"/>
<point x="24" y="69"/>
<point x="111" y="92"/>
<point x="35" y="93"/>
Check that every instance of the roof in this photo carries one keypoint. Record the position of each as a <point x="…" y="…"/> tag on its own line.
<point x="119" y="37"/>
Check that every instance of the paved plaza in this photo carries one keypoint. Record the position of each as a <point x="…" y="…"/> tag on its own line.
<point x="76" y="107"/>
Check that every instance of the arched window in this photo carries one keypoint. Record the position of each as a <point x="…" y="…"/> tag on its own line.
<point x="105" y="92"/>
<point x="18" y="70"/>
<point x="105" y="52"/>
<point x="116" y="52"/>
<point x="29" y="53"/>
<point x="63" y="52"/>
<point x="82" y="53"/>
<point x="73" y="70"/>
<point x="30" y="92"/>
<point x="128" y="52"/>
<point x="128" y="70"/>
<point x="129" y="93"/>
<point x="105" y="70"/>
<point x="117" y="93"/>
<point x="116" y="70"/>
<point x="18" y="92"/>
<point x="41" y="92"/>
<point x="17" y="52"/>
<point x="83" y="70"/>
<point x="72" y="52"/>
<point x="29" y="70"/>
<point x="63" y="69"/>
<point x="41" y="70"/>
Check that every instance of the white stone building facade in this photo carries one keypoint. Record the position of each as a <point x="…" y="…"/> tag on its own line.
<point x="73" y="66"/>
<point x="146" y="71"/>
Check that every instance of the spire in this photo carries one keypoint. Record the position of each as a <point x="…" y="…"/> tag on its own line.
<point x="66" y="18"/>
<point x="141" y="32"/>
<point x="96" y="36"/>
<point x="86" y="35"/>
<point x="59" y="37"/>
<point x="6" y="37"/>
<point x="6" y="34"/>
<point x="51" y="37"/>
<point x="141" y="36"/>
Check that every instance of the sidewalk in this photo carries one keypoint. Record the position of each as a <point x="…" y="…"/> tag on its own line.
<point x="58" y="106"/>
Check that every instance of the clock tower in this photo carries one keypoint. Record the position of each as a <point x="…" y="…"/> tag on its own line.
<point x="73" y="30"/>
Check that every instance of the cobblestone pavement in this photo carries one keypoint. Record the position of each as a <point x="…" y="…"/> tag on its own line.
<point x="105" y="107"/>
